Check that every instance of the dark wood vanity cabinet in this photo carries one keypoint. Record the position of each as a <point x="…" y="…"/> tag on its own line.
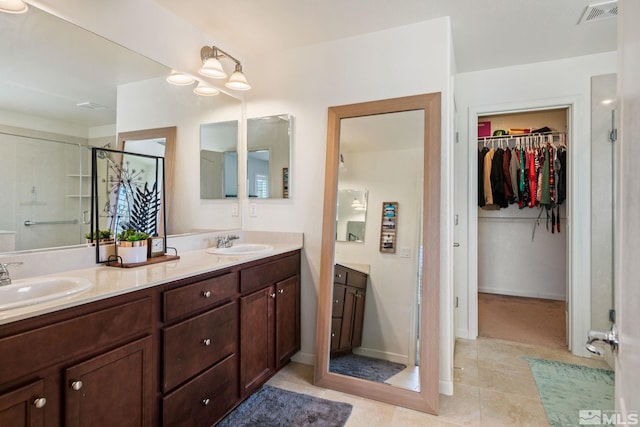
<point x="347" y="318"/>
<point x="180" y="354"/>
<point x="74" y="367"/>
<point x="269" y="319"/>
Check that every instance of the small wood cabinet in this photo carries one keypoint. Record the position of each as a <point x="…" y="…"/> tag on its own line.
<point x="23" y="407"/>
<point x="347" y="318"/>
<point x="269" y="320"/>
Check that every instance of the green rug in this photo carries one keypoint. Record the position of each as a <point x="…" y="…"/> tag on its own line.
<point x="570" y="391"/>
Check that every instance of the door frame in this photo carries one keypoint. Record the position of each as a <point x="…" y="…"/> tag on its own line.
<point x="578" y="224"/>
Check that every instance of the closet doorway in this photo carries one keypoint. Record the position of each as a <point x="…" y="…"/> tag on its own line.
<point x="522" y="235"/>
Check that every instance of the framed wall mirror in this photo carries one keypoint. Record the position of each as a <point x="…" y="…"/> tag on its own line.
<point x="352" y="215"/>
<point x="219" y="160"/>
<point x="269" y="141"/>
<point x="372" y="311"/>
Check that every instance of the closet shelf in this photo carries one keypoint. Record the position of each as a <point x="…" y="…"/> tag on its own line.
<point x="523" y="135"/>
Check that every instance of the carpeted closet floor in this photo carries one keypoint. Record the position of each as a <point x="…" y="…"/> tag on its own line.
<point x="526" y="320"/>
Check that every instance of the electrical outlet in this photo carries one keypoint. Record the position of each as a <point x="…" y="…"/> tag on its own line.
<point x="234" y="209"/>
<point x="253" y="209"/>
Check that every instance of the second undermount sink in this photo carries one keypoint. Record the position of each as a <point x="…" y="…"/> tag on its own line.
<point x="25" y="292"/>
<point x="242" y="249"/>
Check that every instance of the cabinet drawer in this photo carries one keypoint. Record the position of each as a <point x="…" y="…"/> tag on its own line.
<point x="30" y="351"/>
<point x="339" y="274"/>
<point x="195" y="344"/>
<point x="186" y="299"/>
<point x="254" y="278"/>
<point x="205" y="399"/>
<point x="357" y="279"/>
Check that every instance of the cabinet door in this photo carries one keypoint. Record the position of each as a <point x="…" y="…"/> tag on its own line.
<point x="113" y="389"/>
<point x="257" y="333"/>
<point x="23" y="407"/>
<point x="346" y="333"/>
<point x="358" y="319"/>
<point x="287" y="319"/>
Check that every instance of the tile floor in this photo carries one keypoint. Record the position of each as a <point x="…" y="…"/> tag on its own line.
<point x="492" y="387"/>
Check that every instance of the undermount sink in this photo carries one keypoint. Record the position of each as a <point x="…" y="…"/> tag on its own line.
<point x="25" y="292"/>
<point x="242" y="249"/>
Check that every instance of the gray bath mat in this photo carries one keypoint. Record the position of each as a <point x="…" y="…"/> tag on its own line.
<point x="274" y="407"/>
<point x="367" y="368"/>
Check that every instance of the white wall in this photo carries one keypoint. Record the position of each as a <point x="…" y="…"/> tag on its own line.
<point x="391" y="291"/>
<point x="304" y="82"/>
<point x="553" y="83"/>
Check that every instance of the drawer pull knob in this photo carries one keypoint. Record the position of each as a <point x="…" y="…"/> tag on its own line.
<point x="281" y="291"/>
<point x="336" y="301"/>
<point x="207" y="342"/>
<point x="40" y="402"/>
<point x="333" y="335"/>
<point x="206" y="294"/>
<point x="273" y="295"/>
<point x="205" y="402"/>
<point x="76" y="385"/>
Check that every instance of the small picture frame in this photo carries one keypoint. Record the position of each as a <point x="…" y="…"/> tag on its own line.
<point x="156" y="246"/>
<point x="388" y="228"/>
<point x="285" y="183"/>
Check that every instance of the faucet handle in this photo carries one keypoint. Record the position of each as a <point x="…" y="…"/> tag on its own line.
<point x="232" y="237"/>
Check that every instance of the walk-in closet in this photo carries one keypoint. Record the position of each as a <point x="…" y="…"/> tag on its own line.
<point x="522" y="238"/>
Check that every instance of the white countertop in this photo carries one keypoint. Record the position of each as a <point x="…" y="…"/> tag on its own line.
<point x="112" y="281"/>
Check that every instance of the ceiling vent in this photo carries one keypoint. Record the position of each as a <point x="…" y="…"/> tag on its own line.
<point x="600" y="11"/>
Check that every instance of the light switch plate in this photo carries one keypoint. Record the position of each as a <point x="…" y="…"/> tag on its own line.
<point x="253" y="209"/>
<point x="234" y="209"/>
<point x="405" y="252"/>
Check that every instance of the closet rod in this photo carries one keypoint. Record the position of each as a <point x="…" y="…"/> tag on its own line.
<point x="513" y="219"/>
<point x="524" y="135"/>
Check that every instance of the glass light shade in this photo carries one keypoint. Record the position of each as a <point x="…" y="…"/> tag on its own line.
<point x="178" y="78"/>
<point x="212" y="68"/>
<point x="238" y="81"/>
<point x="204" y="89"/>
<point x="13" y="6"/>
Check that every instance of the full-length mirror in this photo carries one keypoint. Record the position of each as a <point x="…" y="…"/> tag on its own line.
<point x="219" y="160"/>
<point x="269" y="156"/>
<point x="377" y="330"/>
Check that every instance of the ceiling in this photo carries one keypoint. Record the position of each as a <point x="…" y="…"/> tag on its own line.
<point x="486" y="33"/>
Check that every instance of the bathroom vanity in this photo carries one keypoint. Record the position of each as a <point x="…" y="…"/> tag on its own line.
<point x="177" y="351"/>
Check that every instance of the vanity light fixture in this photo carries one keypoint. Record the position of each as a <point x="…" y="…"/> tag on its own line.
<point x="178" y="78"/>
<point x="204" y="89"/>
<point x="212" y="67"/>
<point x="13" y="6"/>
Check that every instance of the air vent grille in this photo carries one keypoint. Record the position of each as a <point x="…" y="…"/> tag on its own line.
<point x="600" y="11"/>
<point x="91" y="105"/>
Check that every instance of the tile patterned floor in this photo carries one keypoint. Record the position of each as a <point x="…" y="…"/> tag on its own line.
<point x="493" y="387"/>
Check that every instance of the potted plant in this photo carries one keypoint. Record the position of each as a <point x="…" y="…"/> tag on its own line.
<point x="104" y="239"/>
<point x="132" y="246"/>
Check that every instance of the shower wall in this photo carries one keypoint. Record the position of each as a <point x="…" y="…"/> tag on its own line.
<point x="45" y="182"/>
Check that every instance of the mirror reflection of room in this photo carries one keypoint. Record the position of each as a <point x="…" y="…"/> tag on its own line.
<point x="268" y="156"/>
<point x="375" y="314"/>
<point x="219" y="160"/>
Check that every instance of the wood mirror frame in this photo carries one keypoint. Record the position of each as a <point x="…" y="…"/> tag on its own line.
<point x="169" y="135"/>
<point x="425" y="400"/>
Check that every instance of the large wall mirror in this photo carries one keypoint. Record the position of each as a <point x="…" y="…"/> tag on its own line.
<point x="219" y="160"/>
<point x="377" y="329"/>
<point x="269" y="156"/>
<point x="50" y="117"/>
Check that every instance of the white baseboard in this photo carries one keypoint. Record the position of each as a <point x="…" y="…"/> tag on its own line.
<point x="464" y="334"/>
<point x="383" y="355"/>
<point x="522" y="293"/>
<point x="446" y="388"/>
<point x="304" y="358"/>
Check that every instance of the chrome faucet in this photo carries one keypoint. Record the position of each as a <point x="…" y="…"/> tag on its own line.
<point x="4" y="273"/>
<point x="225" y="241"/>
